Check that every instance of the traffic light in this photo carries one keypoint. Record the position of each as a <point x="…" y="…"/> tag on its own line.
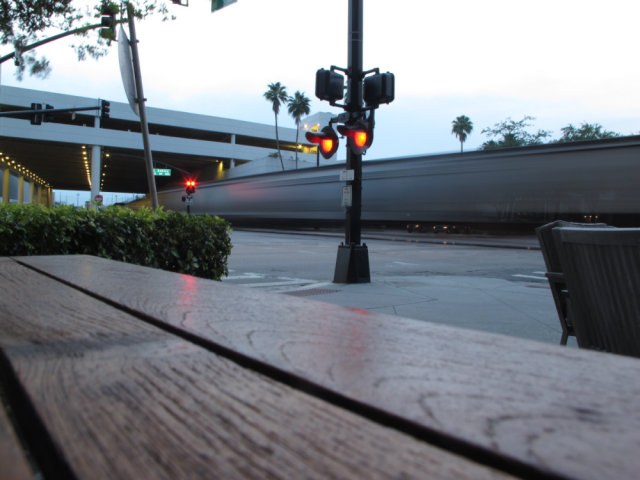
<point x="326" y="139"/>
<point x="47" y="117"/>
<point x="108" y="20"/>
<point x="105" y="109"/>
<point x="190" y="187"/>
<point x="379" y="88"/>
<point x="36" y="116"/>
<point x="359" y="135"/>
<point x="329" y="85"/>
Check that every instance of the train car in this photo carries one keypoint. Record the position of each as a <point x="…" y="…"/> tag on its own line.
<point x="581" y="181"/>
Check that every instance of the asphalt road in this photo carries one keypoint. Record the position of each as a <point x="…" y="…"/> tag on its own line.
<point x="312" y="256"/>
<point x="469" y="282"/>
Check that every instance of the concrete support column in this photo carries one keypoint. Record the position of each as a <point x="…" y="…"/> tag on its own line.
<point x="6" y="174"/>
<point x="96" y="165"/>
<point x="20" y="189"/>
<point x="232" y="162"/>
<point x="96" y="170"/>
<point x="32" y="193"/>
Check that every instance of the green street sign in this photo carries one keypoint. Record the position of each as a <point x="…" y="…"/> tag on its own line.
<point x="218" y="4"/>
<point x="162" y="172"/>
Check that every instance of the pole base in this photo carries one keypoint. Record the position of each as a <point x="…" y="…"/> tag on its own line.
<point x="352" y="264"/>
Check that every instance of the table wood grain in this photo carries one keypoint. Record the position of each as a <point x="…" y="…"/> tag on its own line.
<point x="539" y="405"/>
<point x="123" y="399"/>
<point x="13" y="463"/>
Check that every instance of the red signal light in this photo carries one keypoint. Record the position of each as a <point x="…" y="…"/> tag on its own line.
<point x="360" y="134"/>
<point x="360" y="138"/>
<point x="327" y="141"/>
<point x="190" y="186"/>
<point x="326" y="144"/>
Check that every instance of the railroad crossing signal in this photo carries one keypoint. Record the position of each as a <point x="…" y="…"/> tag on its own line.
<point x="359" y="136"/>
<point x="377" y="88"/>
<point x="326" y="139"/>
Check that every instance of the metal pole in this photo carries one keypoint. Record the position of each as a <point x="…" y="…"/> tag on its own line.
<point x="354" y="106"/>
<point x="26" y="48"/>
<point x="352" y="264"/>
<point x="135" y="59"/>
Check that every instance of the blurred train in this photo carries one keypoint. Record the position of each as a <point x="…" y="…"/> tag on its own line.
<point x="582" y="181"/>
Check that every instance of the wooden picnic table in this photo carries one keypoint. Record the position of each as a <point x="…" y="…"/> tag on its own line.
<point x="116" y="371"/>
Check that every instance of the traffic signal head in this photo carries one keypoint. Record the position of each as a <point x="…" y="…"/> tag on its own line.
<point x="36" y="116"/>
<point x="359" y="135"/>
<point x="190" y="187"/>
<point x="326" y="139"/>
<point x="379" y="88"/>
<point x="105" y="109"/>
<point x="108" y="20"/>
<point x="47" y="117"/>
<point x="329" y="85"/>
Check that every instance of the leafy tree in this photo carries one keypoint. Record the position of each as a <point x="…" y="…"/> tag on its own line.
<point x="24" y="22"/>
<point x="510" y="133"/>
<point x="462" y="127"/>
<point x="277" y="95"/>
<point x="298" y="107"/>
<point x="586" y="131"/>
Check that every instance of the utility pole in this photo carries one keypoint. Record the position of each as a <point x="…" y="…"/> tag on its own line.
<point x="135" y="59"/>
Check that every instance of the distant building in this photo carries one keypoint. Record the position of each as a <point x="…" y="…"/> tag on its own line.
<point x="81" y="151"/>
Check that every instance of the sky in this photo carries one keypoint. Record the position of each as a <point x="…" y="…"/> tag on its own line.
<point x="560" y="61"/>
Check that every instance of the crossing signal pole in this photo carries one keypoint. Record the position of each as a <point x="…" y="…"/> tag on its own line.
<point x="364" y="94"/>
<point x="189" y="190"/>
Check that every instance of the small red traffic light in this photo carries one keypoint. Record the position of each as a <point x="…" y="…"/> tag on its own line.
<point x="190" y="186"/>
<point x="327" y="141"/>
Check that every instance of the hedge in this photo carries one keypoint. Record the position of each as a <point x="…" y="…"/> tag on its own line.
<point x="196" y="245"/>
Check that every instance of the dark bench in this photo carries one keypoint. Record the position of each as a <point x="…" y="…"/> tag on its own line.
<point x="115" y="371"/>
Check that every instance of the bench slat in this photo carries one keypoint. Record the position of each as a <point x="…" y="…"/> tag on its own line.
<point x="539" y="404"/>
<point x="123" y="399"/>
<point x="13" y="464"/>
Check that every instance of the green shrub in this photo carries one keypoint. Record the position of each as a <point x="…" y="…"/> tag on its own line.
<point x="196" y="245"/>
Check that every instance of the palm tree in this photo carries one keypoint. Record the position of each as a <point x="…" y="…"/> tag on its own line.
<point x="462" y="126"/>
<point x="298" y="107"/>
<point x="277" y="95"/>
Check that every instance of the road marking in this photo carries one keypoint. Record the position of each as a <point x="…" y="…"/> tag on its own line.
<point x="281" y="283"/>
<point x="277" y="284"/>
<point x="519" y="275"/>
<point x="243" y="276"/>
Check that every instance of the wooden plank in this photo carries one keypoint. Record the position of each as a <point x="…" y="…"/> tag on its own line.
<point x="549" y="407"/>
<point x="123" y="399"/>
<point x="13" y="464"/>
